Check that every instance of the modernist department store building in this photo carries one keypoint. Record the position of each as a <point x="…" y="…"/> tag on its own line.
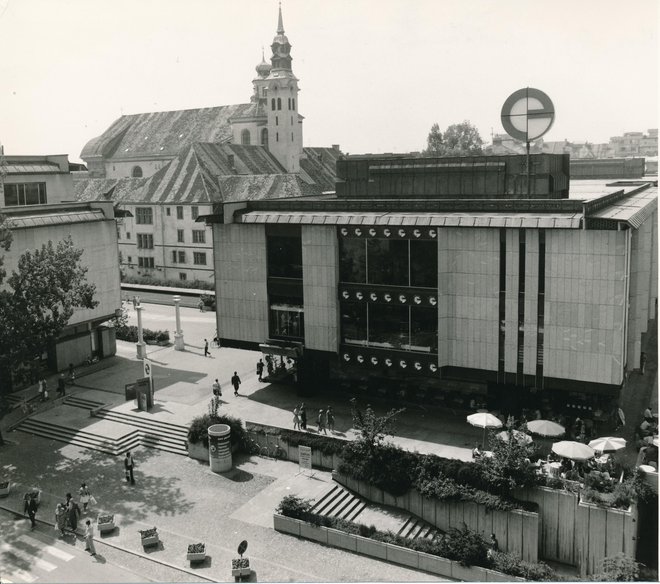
<point x="442" y="279"/>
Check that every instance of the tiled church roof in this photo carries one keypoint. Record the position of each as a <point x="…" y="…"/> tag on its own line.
<point x="164" y="133"/>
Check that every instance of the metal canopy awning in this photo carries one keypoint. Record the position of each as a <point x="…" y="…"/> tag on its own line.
<point x="281" y="350"/>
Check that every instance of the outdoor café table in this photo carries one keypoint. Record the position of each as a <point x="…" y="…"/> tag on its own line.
<point x="552" y="468"/>
<point x="646" y="468"/>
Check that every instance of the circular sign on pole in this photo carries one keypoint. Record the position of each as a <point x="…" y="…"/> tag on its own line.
<point x="242" y="547"/>
<point x="527" y="114"/>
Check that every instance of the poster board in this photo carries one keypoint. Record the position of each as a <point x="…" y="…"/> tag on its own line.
<point x="305" y="458"/>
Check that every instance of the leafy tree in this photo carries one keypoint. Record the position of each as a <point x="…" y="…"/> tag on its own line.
<point x="509" y="466"/>
<point x="38" y="302"/>
<point x="373" y="428"/>
<point x="457" y="140"/>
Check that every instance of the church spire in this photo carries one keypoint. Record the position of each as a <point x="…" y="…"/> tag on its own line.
<point x="280" y="26"/>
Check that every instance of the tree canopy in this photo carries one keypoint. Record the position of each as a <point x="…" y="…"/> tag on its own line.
<point x="39" y="299"/>
<point x="457" y="140"/>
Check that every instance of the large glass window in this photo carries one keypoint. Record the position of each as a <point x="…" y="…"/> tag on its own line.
<point x="144" y="215"/>
<point x="284" y="256"/>
<point x="388" y="326"/>
<point x="354" y="323"/>
<point x="387" y="262"/>
<point x="424" y="264"/>
<point x="353" y="260"/>
<point x="145" y="241"/>
<point x="25" y="194"/>
<point x="286" y="319"/>
<point x="199" y="258"/>
<point x="423" y="329"/>
<point x="198" y="236"/>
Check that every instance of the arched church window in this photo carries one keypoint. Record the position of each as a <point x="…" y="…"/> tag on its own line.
<point x="245" y="137"/>
<point x="272" y="104"/>
<point x="279" y="103"/>
<point x="264" y="136"/>
<point x="289" y="102"/>
<point x="136" y="172"/>
<point x="293" y="103"/>
<point x="277" y="136"/>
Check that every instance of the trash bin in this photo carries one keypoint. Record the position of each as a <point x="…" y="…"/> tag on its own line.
<point x="220" y="448"/>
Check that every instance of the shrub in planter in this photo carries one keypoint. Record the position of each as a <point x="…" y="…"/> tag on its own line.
<point x="325" y="444"/>
<point x="466" y="547"/>
<point x="514" y="566"/>
<point x="198" y="430"/>
<point x="294" y="506"/>
<point x="619" y="568"/>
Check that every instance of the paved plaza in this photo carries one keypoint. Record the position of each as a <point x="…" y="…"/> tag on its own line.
<point x="181" y="496"/>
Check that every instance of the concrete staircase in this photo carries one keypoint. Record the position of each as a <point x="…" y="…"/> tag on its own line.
<point x="149" y="433"/>
<point x="416" y="528"/>
<point x="339" y="502"/>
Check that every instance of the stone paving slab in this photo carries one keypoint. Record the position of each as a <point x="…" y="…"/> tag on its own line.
<point x="75" y="418"/>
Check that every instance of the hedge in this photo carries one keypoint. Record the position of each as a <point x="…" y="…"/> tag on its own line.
<point x="130" y="334"/>
<point x="198" y="431"/>
<point x="325" y="444"/>
<point x="147" y="281"/>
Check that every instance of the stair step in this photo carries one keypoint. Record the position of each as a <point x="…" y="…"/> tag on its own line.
<point x="142" y="423"/>
<point x="349" y="510"/>
<point x="335" y="503"/>
<point x="83" y="442"/>
<point x="81" y="402"/>
<point x="323" y="500"/>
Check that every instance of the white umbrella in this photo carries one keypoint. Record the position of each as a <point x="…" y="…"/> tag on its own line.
<point x="573" y="450"/>
<point x="484" y="420"/>
<point x="608" y="444"/>
<point x="545" y="428"/>
<point x="520" y="437"/>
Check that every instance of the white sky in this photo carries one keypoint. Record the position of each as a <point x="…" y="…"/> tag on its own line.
<point x="374" y="74"/>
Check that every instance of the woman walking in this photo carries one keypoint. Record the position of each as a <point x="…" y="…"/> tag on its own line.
<point x="303" y="417"/>
<point x="296" y="418"/>
<point x="321" y="422"/>
<point x="89" y="538"/>
<point x="60" y="518"/>
<point x="85" y="496"/>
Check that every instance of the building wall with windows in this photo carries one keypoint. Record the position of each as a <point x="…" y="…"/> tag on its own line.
<point x="166" y="243"/>
<point x="35" y="180"/>
<point x="92" y="228"/>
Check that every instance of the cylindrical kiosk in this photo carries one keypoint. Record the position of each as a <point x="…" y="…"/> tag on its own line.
<point x="219" y="448"/>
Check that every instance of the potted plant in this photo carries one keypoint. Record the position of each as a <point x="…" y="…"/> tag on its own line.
<point x="241" y="566"/>
<point x="105" y="523"/>
<point x="196" y="552"/>
<point x="5" y="487"/>
<point x="149" y="537"/>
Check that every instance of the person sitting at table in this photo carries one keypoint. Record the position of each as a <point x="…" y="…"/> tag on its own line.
<point x="476" y="451"/>
<point x="648" y="415"/>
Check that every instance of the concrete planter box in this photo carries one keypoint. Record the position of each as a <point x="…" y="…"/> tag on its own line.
<point x="402" y="556"/>
<point x="240" y="572"/>
<point x="106" y="526"/>
<point x="196" y="556"/>
<point x="371" y="547"/>
<point x="150" y="541"/>
<point x="198" y="451"/>
<point x="385" y="551"/>
<point x="313" y="532"/>
<point x="435" y="564"/>
<point x="341" y="539"/>
<point x="286" y="524"/>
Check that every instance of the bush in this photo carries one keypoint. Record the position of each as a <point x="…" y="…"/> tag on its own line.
<point x="198" y="431"/>
<point x="130" y="334"/>
<point x="294" y="506"/>
<point x="325" y="444"/>
<point x="618" y="568"/>
<point x="514" y="566"/>
<point x="148" y="281"/>
<point x="466" y="546"/>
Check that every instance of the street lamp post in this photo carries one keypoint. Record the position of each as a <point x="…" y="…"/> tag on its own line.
<point x="141" y="345"/>
<point x="179" y="345"/>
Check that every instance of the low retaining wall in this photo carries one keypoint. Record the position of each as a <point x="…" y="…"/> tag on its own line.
<point x="517" y="531"/>
<point x="319" y="460"/>
<point x="389" y="552"/>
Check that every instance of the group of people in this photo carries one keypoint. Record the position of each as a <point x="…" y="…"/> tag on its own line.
<point x="325" y="419"/>
<point x="235" y="383"/>
<point x="68" y="514"/>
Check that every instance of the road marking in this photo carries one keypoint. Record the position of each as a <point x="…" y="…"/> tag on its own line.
<point x="20" y="576"/>
<point x="49" y="549"/>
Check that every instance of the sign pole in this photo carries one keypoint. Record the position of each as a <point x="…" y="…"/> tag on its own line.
<point x="305" y="460"/>
<point x="529" y="185"/>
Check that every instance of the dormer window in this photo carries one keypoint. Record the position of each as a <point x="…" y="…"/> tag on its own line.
<point x="136" y="172"/>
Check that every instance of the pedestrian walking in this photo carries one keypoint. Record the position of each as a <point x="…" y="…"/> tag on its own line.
<point x="134" y="302"/>
<point x="320" y="420"/>
<point x="129" y="465"/>
<point x="269" y="365"/>
<point x="60" y="518"/>
<point x="72" y="374"/>
<point x="32" y="511"/>
<point x="42" y="389"/>
<point x="89" y="538"/>
<point x="200" y="305"/>
<point x="61" y="385"/>
<point x="85" y="496"/>
<point x="206" y="348"/>
<point x="303" y="417"/>
<point x="330" y="419"/>
<point x="260" y="369"/>
<point x="296" y="418"/>
<point x="235" y="381"/>
<point x="642" y="362"/>
<point x="217" y="391"/>
<point x="73" y="512"/>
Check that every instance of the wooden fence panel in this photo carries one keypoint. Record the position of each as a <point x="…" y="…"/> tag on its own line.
<point x="614" y="536"/>
<point x="630" y="532"/>
<point x="582" y="538"/>
<point x="470" y="516"/>
<point x="550" y="506"/>
<point x="597" y="537"/>
<point x="429" y="510"/>
<point x="484" y="521"/>
<point x="442" y="515"/>
<point x="530" y="537"/>
<point x="455" y="514"/>
<point x="501" y="528"/>
<point x="567" y="504"/>
<point x="515" y="546"/>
